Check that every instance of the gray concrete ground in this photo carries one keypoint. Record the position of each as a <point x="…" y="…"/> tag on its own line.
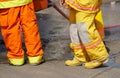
<point x="54" y="29"/>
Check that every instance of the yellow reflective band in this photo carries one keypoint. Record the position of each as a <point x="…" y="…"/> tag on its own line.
<point x="16" y="62"/>
<point x="35" y="60"/>
<point x="13" y="3"/>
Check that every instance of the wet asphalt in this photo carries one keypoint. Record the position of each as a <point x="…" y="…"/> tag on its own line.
<point x="54" y="30"/>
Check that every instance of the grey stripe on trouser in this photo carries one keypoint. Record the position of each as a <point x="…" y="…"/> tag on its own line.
<point x="74" y="34"/>
<point x="78" y="32"/>
<point x="83" y="33"/>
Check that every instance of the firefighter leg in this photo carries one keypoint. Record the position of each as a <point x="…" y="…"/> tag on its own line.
<point x="91" y="40"/>
<point x="31" y="34"/>
<point x="75" y="43"/>
<point x="10" y="25"/>
<point x="100" y="24"/>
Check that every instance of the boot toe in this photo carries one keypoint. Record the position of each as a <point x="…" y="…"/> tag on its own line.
<point x="72" y="63"/>
<point x="91" y="65"/>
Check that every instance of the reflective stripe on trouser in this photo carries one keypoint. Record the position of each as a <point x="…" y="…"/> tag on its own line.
<point x="10" y="22"/>
<point x="86" y="41"/>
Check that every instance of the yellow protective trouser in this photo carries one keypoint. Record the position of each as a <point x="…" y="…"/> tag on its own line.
<point x="100" y="24"/>
<point x="11" y="20"/>
<point x="89" y="6"/>
<point x="86" y="41"/>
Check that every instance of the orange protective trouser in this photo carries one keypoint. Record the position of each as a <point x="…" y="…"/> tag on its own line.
<point x="14" y="19"/>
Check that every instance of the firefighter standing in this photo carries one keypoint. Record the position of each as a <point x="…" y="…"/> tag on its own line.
<point x="16" y="14"/>
<point x="86" y="33"/>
